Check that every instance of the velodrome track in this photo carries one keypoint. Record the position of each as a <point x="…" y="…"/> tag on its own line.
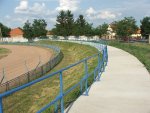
<point x="22" y="59"/>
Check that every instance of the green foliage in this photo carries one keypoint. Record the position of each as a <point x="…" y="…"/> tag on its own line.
<point x="4" y="52"/>
<point x="4" y="30"/>
<point x="80" y="26"/>
<point x="65" y="23"/>
<point x="145" y="26"/>
<point x="36" y="29"/>
<point x="124" y="28"/>
<point x="101" y="30"/>
<point x="39" y="27"/>
<point x="28" y="31"/>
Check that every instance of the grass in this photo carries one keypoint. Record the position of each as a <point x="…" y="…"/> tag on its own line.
<point x="4" y="52"/>
<point x="139" y="50"/>
<point x="33" y="98"/>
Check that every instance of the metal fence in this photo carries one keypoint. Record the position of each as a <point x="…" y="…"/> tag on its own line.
<point x="83" y="83"/>
<point x="34" y="73"/>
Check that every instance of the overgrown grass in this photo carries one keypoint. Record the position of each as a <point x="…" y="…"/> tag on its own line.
<point x="4" y="52"/>
<point x="139" y="50"/>
<point x="33" y="98"/>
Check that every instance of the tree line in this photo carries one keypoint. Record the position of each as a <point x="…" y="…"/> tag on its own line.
<point x="66" y="25"/>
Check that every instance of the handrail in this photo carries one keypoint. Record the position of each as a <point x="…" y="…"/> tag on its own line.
<point x="99" y="68"/>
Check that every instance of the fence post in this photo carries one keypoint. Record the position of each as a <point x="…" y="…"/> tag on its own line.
<point x="7" y="86"/>
<point x="42" y="69"/>
<point x="27" y="69"/>
<point x="86" y="76"/>
<point x="1" y="105"/>
<point x="61" y="92"/>
<point x="3" y="76"/>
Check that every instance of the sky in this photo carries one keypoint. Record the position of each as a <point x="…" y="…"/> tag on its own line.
<point x="14" y="13"/>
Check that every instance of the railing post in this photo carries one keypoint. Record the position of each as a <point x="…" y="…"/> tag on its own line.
<point x="94" y="74"/>
<point x="56" y="107"/>
<point x="99" y="67"/>
<point x="106" y="55"/>
<point x="61" y="92"/>
<point x="86" y="76"/>
<point x="81" y="87"/>
<point x="1" y="105"/>
<point x="103" y="60"/>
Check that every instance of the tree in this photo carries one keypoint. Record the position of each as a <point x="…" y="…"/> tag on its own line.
<point x="88" y="29"/>
<point x="65" y="23"/>
<point x="69" y="22"/>
<point x="101" y="30"/>
<point x="126" y="27"/>
<point x="145" y="26"/>
<point x="36" y="29"/>
<point x="4" y="30"/>
<point x="60" y="25"/>
<point x="39" y="27"/>
<point x="28" y="31"/>
<point x="79" y="26"/>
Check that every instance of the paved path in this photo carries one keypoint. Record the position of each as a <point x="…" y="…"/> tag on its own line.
<point x="14" y="63"/>
<point x="124" y="88"/>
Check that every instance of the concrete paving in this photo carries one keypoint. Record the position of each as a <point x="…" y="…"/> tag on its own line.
<point x="124" y="88"/>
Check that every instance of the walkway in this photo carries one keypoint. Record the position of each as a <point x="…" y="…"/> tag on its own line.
<point x="124" y="88"/>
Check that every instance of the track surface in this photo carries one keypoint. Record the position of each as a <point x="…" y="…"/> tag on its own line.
<point x="22" y="59"/>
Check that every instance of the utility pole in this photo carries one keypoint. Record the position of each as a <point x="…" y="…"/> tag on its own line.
<point x="149" y="39"/>
<point x="0" y="34"/>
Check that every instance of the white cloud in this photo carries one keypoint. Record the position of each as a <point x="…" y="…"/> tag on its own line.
<point x="106" y="15"/>
<point x="90" y="11"/>
<point x="68" y="5"/>
<point x="37" y="8"/>
<point x="92" y="14"/>
<point x="23" y="6"/>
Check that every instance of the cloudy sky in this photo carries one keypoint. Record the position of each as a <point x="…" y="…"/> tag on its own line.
<point x="14" y="13"/>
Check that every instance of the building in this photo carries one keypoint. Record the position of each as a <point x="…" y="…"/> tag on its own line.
<point x="110" y="33"/>
<point x="137" y="34"/>
<point x="16" y="33"/>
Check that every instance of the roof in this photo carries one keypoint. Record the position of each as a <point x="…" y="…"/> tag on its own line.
<point x="16" y="31"/>
<point x="138" y="31"/>
<point x="49" y="33"/>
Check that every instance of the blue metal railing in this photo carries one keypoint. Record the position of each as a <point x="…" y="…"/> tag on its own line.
<point x="102" y="62"/>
